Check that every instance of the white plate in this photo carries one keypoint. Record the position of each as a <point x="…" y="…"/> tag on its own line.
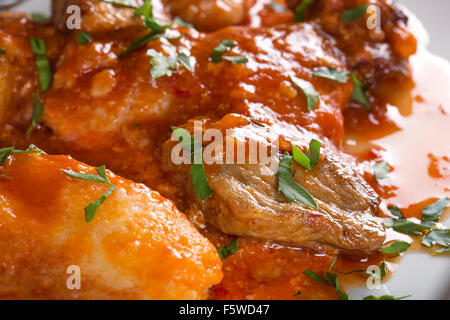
<point x="419" y="274"/>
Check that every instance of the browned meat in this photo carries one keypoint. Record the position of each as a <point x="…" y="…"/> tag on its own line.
<point x="246" y="202"/>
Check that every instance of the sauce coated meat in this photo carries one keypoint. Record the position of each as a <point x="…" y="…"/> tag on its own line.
<point x="105" y="108"/>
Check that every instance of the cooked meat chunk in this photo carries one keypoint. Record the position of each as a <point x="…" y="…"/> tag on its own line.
<point x="245" y="200"/>
<point x="138" y="246"/>
<point x="374" y="53"/>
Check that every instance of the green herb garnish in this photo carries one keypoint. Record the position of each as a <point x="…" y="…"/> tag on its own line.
<point x="354" y="14"/>
<point x="38" y="112"/>
<point x="184" y="24"/>
<point x="236" y="59"/>
<point x="277" y="7"/>
<point x="308" y="89"/>
<point x="122" y="3"/>
<point x="405" y="226"/>
<point x="437" y="236"/>
<point x="385" y="297"/>
<point x="432" y="213"/>
<point x="297" y="294"/>
<point x="301" y="10"/>
<point x="42" y="63"/>
<point x="307" y="160"/>
<point x="288" y="187"/>
<point x="197" y="171"/>
<point x="358" y="93"/>
<point x="332" y="74"/>
<point x="330" y="278"/>
<point x="100" y="177"/>
<point x="381" y="170"/>
<point x="2" y="51"/>
<point x="164" y="66"/>
<point x="140" y="43"/>
<point x="84" y="38"/>
<point x="396" y="212"/>
<point x="228" y="250"/>
<point x="395" y="248"/>
<point x="5" y="152"/>
<point x="224" y="46"/>
<point x="39" y="17"/>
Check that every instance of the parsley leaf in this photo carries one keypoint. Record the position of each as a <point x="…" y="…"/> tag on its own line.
<point x="277" y="7"/>
<point x="396" y="212"/>
<point x="162" y="66"/>
<point x="301" y="9"/>
<point x="354" y="14"/>
<point x="42" y="63"/>
<point x="395" y="248"/>
<point x="2" y="51"/>
<point x="5" y="152"/>
<point x="197" y="171"/>
<point x="330" y="278"/>
<point x="433" y="212"/>
<point x="140" y="43"/>
<point x="184" y="24"/>
<point x="122" y="3"/>
<point x="84" y="38"/>
<point x="39" y="17"/>
<point x="100" y="177"/>
<point x="38" y="112"/>
<point x="185" y="61"/>
<point x="310" y="93"/>
<point x="288" y="187"/>
<point x="436" y="236"/>
<point x="308" y="161"/>
<point x="381" y="170"/>
<point x="405" y="226"/>
<point x="358" y="93"/>
<point x="385" y="297"/>
<point x="332" y="74"/>
<point x="236" y="59"/>
<point x="228" y="250"/>
<point x="224" y="46"/>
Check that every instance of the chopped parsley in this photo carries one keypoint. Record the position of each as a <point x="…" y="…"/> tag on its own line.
<point x="354" y="14"/>
<point x="385" y="297"/>
<point x="38" y="112"/>
<point x="122" y="3"/>
<point x="332" y="74"/>
<point x="5" y="152"/>
<point x="156" y="26"/>
<point x="2" y="51"/>
<point x="277" y="7"/>
<point x="84" y="38"/>
<point x="165" y="66"/>
<point x="380" y="275"/>
<point x="228" y="250"/>
<point x="308" y="89"/>
<point x="42" y="63"/>
<point x="297" y="294"/>
<point x="218" y="51"/>
<point x="358" y="93"/>
<point x="100" y="177"/>
<point x="396" y="212"/>
<point x="381" y="170"/>
<point x="301" y="10"/>
<point x="236" y="59"/>
<point x="437" y="236"/>
<point x="432" y="213"/>
<point x="329" y="278"/>
<point x="288" y="187"/>
<point x="395" y="248"/>
<point x="181" y="23"/>
<point x="39" y="17"/>
<point x="307" y="160"/>
<point x="197" y="171"/>
<point x="405" y="226"/>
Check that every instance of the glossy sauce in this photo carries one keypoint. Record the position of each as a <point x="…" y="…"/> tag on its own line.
<point x="410" y="129"/>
